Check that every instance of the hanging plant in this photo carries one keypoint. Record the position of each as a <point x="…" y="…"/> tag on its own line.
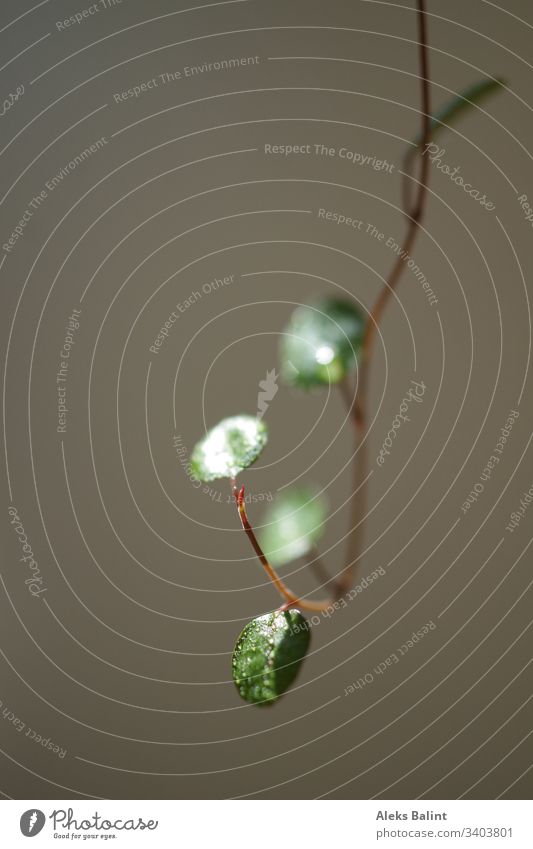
<point x="324" y="343"/>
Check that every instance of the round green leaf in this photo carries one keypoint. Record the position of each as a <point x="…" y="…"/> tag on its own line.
<point x="227" y="449"/>
<point x="268" y="654"/>
<point x="321" y="342"/>
<point x="293" y="524"/>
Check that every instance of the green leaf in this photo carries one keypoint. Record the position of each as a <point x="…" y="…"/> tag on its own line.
<point x="268" y="655"/>
<point x="227" y="449"/>
<point x="472" y="95"/>
<point x="293" y="524"/>
<point x="321" y="342"/>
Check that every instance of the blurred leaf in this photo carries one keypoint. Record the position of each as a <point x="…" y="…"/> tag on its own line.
<point x="293" y="524"/>
<point x="321" y="342"/>
<point x="227" y="449"/>
<point x="464" y="101"/>
<point x="268" y="655"/>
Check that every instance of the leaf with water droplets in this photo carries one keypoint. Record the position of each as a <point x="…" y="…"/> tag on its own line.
<point x="268" y="655"/>
<point x="321" y="342"/>
<point x="228" y="448"/>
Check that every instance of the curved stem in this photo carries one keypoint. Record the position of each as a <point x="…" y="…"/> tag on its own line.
<point x="358" y="407"/>
<point x="415" y="215"/>
<point x="282" y="588"/>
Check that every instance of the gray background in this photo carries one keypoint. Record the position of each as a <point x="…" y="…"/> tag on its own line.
<point x="124" y="661"/>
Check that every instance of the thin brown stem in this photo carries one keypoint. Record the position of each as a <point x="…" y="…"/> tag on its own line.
<point x="290" y="598"/>
<point x="407" y="169"/>
<point x="415" y="215"/>
<point x="358" y="497"/>
<point x="357" y="407"/>
<point x="352" y="403"/>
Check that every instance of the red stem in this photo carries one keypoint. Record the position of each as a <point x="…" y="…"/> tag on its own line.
<point x="283" y="590"/>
